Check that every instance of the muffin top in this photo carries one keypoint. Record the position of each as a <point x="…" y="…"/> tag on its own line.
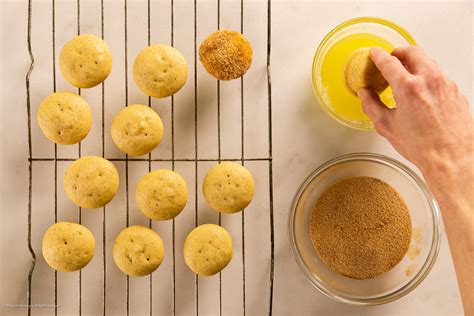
<point x="208" y="249"/>
<point x="226" y="54"/>
<point x="228" y="187"/>
<point x="160" y="71"/>
<point x="64" y="118"/>
<point x="68" y="246"/>
<point x="85" y="61"/>
<point x="138" y="250"/>
<point x="91" y="181"/>
<point x="137" y="129"/>
<point x="161" y="194"/>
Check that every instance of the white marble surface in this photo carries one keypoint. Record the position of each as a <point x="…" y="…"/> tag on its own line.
<point x="303" y="138"/>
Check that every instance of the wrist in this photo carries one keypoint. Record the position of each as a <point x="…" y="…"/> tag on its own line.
<point x="449" y="174"/>
<point x="437" y="165"/>
<point x="450" y="160"/>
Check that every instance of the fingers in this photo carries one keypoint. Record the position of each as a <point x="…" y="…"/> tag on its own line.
<point x="390" y="66"/>
<point x="415" y="59"/>
<point x="376" y="110"/>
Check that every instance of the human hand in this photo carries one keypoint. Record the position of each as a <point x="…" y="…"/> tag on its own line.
<point x="432" y="127"/>
<point x="432" y="121"/>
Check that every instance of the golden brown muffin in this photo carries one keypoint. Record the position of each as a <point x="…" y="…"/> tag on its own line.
<point x="64" y="118"/>
<point x="161" y="194"/>
<point x="226" y="54"/>
<point x="361" y="72"/>
<point x="68" y="246"/>
<point x="85" y="61"/>
<point x="160" y="71"/>
<point x="91" y="182"/>
<point x="228" y="187"/>
<point x="138" y="250"/>
<point x="208" y="249"/>
<point x="137" y="129"/>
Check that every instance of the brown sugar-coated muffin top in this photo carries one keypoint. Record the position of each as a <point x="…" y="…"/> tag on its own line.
<point x="226" y="54"/>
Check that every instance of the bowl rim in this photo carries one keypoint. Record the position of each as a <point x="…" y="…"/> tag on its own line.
<point x="427" y="265"/>
<point x="317" y="55"/>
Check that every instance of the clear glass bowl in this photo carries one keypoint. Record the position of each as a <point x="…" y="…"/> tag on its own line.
<point x="390" y="31"/>
<point x="407" y="274"/>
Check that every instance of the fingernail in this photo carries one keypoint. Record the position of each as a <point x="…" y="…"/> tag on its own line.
<point x="364" y="108"/>
<point x="360" y="93"/>
<point x="377" y="50"/>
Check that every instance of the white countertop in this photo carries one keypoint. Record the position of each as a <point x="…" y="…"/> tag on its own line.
<point x="303" y="138"/>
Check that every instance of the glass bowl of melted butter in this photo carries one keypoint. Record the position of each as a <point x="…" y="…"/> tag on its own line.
<point x="329" y="87"/>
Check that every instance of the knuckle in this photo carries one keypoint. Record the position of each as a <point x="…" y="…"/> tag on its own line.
<point x="400" y="50"/>
<point x="465" y="100"/>
<point x="407" y="49"/>
<point x="397" y="50"/>
<point x="438" y="79"/>
<point x="452" y="86"/>
<point x="410" y="82"/>
<point x="417" y="49"/>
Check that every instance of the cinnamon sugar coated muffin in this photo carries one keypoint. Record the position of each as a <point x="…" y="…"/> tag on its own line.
<point x="137" y="129"/>
<point x="226" y="54"/>
<point x="85" y="61"/>
<point x="91" y="182"/>
<point x="160" y="71"/>
<point x="138" y="251"/>
<point x="64" y="118"/>
<point x="68" y="246"/>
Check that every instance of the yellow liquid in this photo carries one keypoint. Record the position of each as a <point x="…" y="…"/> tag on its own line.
<point x="342" y="102"/>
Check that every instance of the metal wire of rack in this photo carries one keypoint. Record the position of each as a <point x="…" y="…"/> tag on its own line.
<point x="242" y="159"/>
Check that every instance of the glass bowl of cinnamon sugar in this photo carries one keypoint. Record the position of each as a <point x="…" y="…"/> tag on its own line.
<point x="364" y="229"/>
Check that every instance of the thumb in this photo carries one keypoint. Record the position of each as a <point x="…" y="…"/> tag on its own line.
<point x="372" y="105"/>
<point x="375" y="109"/>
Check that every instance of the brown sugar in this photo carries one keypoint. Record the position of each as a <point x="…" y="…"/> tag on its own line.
<point x="226" y="54"/>
<point x="361" y="227"/>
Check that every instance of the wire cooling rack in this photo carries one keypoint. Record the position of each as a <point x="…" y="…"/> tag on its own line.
<point x="196" y="160"/>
